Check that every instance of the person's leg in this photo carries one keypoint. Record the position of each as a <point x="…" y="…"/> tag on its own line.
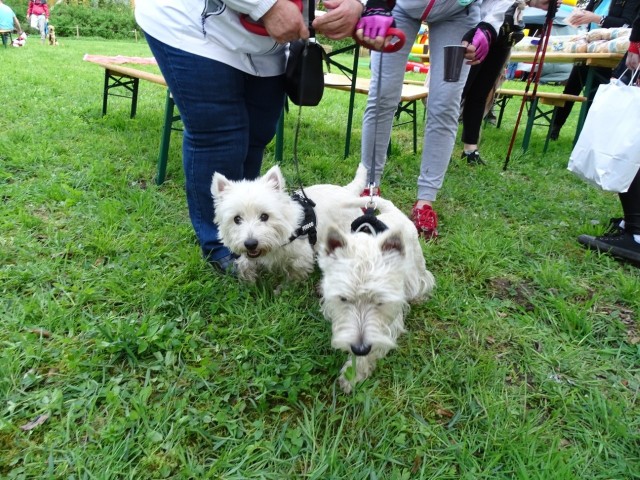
<point x="630" y="201"/>
<point x="42" y="27"/>
<point x="624" y="241"/>
<point x="384" y="96"/>
<point x="443" y="103"/>
<point x="229" y="117"/>
<point x="476" y="93"/>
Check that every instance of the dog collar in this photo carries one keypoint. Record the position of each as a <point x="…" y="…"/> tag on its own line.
<point x="368" y="223"/>
<point x="309" y="221"/>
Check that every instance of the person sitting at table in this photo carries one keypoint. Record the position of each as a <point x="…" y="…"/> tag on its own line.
<point x="622" y="240"/>
<point x="450" y="22"/>
<point x="597" y="14"/>
<point x="482" y="80"/>
<point x="8" y="22"/>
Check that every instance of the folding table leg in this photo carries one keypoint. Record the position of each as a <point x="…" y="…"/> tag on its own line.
<point x="533" y="108"/>
<point x="166" y="139"/>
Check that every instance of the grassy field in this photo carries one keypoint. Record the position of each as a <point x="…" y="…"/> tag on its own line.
<point x="123" y="356"/>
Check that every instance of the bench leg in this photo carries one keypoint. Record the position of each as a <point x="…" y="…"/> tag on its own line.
<point x="502" y="104"/>
<point x="280" y="138"/>
<point x="105" y="93"/>
<point x="530" y="119"/>
<point x="167" y="126"/>
<point x="134" y="97"/>
<point x="546" y="141"/>
<point x="352" y="99"/>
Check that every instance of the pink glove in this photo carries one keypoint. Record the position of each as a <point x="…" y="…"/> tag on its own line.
<point x="481" y="38"/>
<point x="375" y="22"/>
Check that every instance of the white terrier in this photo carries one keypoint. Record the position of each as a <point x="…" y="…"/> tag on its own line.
<point x="269" y="229"/>
<point x="368" y="282"/>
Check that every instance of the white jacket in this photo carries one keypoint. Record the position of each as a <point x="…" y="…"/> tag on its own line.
<point x="212" y="29"/>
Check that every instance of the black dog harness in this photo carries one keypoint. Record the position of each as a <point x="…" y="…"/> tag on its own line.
<point x="309" y="221"/>
<point x="368" y="223"/>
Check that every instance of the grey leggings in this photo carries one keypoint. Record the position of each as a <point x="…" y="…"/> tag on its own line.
<point x="447" y="24"/>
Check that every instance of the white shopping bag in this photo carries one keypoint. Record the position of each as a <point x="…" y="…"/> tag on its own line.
<point x="34" y="21"/>
<point x="607" y="152"/>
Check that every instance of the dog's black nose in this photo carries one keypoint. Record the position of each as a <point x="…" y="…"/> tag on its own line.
<point x="361" y="350"/>
<point x="251" y="244"/>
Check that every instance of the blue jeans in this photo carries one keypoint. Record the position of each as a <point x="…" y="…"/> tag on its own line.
<point x="229" y="118"/>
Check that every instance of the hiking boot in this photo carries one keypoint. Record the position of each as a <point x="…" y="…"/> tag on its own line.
<point x="425" y="220"/>
<point x="621" y="246"/>
<point x="473" y="158"/>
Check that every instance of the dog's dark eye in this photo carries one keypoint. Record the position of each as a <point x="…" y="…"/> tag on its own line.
<point x="344" y="299"/>
<point x="264" y="217"/>
<point x="237" y="219"/>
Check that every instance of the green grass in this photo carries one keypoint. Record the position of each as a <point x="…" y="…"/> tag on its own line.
<point x="524" y="364"/>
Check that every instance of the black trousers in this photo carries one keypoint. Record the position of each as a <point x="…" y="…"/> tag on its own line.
<point x="575" y="85"/>
<point x="481" y="79"/>
<point x="630" y="201"/>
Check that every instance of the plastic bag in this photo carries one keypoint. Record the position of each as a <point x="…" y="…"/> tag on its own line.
<point x="607" y="153"/>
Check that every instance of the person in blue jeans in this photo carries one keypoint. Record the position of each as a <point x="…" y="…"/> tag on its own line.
<point x="228" y="84"/>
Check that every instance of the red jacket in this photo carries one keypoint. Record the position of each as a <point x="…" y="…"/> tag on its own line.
<point x="38" y="7"/>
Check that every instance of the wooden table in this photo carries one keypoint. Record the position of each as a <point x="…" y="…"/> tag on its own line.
<point x="608" y="60"/>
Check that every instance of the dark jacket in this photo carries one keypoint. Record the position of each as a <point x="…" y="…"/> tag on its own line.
<point x="622" y="13"/>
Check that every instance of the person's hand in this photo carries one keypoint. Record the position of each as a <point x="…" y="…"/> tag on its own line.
<point x="478" y="41"/>
<point x="543" y="4"/>
<point x="633" y="55"/>
<point x="372" y="28"/>
<point x="340" y="20"/>
<point x="583" y="17"/>
<point x="284" y="22"/>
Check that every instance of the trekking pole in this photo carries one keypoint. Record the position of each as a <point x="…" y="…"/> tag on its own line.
<point x="536" y="72"/>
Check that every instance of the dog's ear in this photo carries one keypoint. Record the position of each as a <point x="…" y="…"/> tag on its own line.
<point x="274" y="176"/>
<point x="393" y="242"/>
<point x="218" y="184"/>
<point x="335" y="239"/>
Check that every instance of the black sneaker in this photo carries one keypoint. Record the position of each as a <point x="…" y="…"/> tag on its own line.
<point x="473" y="158"/>
<point x="621" y="246"/>
<point x="614" y="227"/>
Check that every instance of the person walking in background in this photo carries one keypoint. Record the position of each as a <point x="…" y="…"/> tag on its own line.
<point x="450" y="22"/>
<point x="623" y="238"/>
<point x="597" y="14"/>
<point x="482" y="80"/>
<point x="228" y="85"/>
<point x="38" y="16"/>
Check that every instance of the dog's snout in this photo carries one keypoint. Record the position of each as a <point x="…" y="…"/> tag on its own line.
<point x="361" y="349"/>
<point x="251" y="244"/>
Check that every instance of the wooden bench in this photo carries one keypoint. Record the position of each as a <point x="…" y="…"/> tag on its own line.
<point x="536" y="110"/>
<point x="411" y="94"/>
<point x="120" y="81"/>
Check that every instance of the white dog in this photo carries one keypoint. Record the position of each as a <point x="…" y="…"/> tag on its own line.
<point x="270" y="229"/>
<point x="368" y="282"/>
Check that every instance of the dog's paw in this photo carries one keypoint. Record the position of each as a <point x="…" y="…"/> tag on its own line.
<point x="345" y="384"/>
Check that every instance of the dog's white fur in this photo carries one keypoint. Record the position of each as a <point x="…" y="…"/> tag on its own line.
<point x="256" y="218"/>
<point x="367" y="285"/>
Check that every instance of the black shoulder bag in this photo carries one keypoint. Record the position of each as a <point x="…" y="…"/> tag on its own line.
<point x="304" y="77"/>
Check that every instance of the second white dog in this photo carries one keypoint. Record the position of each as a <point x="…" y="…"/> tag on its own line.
<point x="367" y="285"/>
